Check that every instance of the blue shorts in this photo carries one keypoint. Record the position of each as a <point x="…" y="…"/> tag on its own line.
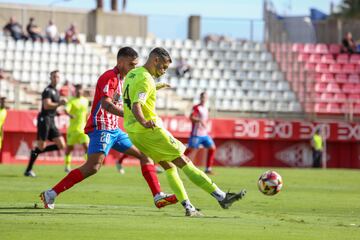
<point x="196" y="141"/>
<point x="104" y="140"/>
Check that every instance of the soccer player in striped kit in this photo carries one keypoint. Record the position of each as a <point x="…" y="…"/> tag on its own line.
<point x="199" y="134"/>
<point x="104" y="133"/>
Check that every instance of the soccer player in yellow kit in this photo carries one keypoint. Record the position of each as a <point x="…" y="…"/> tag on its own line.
<point x="77" y="110"/>
<point x="145" y="130"/>
<point x="3" y="113"/>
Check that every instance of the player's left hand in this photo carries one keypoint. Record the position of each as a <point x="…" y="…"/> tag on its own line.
<point x="161" y="85"/>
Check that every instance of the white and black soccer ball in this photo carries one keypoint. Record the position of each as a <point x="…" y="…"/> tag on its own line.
<point x="270" y="183"/>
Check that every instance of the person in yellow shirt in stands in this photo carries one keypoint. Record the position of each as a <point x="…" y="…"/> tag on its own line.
<point x="77" y="110"/>
<point x="317" y="146"/>
<point x="3" y="114"/>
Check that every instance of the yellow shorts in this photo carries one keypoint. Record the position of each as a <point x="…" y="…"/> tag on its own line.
<point x="76" y="138"/>
<point x="158" y="144"/>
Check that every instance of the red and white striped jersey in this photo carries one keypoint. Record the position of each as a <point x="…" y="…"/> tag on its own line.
<point x="109" y="85"/>
<point x="201" y="112"/>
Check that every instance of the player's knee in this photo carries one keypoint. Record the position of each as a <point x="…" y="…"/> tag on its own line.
<point x="145" y="160"/>
<point x="61" y="146"/>
<point x="91" y="170"/>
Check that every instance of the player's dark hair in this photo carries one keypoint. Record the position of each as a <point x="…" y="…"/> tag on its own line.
<point x="54" y="72"/>
<point x="162" y="53"/>
<point x="78" y="86"/>
<point x="202" y="94"/>
<point x="127" y="52"/>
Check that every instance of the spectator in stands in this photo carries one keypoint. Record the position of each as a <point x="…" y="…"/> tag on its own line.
<point x="3" y="114"/>
<point x="317" y="148"/>
<point x="67" y="90"/>
<point x="34" y="31"/>
<point x="71" y="35"/>
<point x="14" y="29"/>
<point x="182" y="67"/>
<point x="51" y="32"/>
<point x="348" y="44"/>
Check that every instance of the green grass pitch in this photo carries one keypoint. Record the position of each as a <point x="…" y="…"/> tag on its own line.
<point x="314" y="204"/>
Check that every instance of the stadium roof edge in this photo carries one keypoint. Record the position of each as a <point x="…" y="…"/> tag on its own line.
<point x="41" y="7"/>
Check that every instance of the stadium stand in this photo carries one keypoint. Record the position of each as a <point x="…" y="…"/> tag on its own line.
<point x="325" y="80"/>
<point x="239" y="76"/>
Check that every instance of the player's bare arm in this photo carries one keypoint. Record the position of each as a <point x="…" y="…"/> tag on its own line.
<point x="138" y="113"/>
<point x="48" y="104"/>
<point x="67" y="113"/>
<point x="109" y="106"/>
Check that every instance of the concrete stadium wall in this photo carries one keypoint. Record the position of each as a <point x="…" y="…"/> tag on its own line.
<point x="87" y="22"/>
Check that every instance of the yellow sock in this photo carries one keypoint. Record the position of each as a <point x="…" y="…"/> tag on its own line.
<point x="176" y="184"/>
<point x="199" y="178"/>
<point x="68" y="160"/>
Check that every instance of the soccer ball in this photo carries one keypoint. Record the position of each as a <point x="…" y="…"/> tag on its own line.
<point x="270" y="183"/>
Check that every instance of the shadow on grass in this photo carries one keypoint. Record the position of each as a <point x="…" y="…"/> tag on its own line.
<point x="31" y="210"/>
<point x="11" y="175"/>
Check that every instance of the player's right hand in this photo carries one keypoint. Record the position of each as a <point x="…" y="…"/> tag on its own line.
<point x="149" y="124"/>
<point x="63" y="101"/>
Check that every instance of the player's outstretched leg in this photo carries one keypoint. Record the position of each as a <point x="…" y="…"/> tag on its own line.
<point x="149" y="173"/>
<point x="177" y="186"/>
<point x="90" y="167"/>
<point x="199" y="178"/>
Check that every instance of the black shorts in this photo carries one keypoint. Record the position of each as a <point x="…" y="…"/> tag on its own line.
<point x="47" y="129"/>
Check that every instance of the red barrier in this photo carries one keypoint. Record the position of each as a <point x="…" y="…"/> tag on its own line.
<point x="240" y="142"/>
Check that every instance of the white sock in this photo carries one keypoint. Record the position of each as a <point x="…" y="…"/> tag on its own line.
<point x="218" y="194"/>
<point x="52" y="193"/>
<point x="187" y="204"/>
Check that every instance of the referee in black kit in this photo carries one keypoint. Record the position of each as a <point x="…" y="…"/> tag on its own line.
<point x="46" y="129"/>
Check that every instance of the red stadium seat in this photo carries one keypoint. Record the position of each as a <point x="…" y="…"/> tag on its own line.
<point x="320" y="87"/>
<point x="327" y="58"/>
<point x="322" y="68"/>
<point x="348" y="68"/>
<point x="354" y="78"/>
<point x="333" y="87"/>
<point x="327" y="77"/>
<point x="310" y="67"/>
<point x="335" y="68"/>
<point x="340" y="97"/>
<point x="303" y="57"/>
<point x="357" y="68"/>
<point x="354" y="97"/>
<point x="334" y="48"/>
<point x="315" y="58"/>
<point x="333" y="108"/>
<point x="341" y="78"/>
<point x="356" y="108"/>
<point x="326" y="97"/>
<point x="321" y="48"/>
<point x="297" y="47"/>
<point x="349" y="88"/>
<point x="355" y="58"/>
<point x="342" y="58"/>
<point x="320" y="107"/>
<point x="309" y="48"/>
